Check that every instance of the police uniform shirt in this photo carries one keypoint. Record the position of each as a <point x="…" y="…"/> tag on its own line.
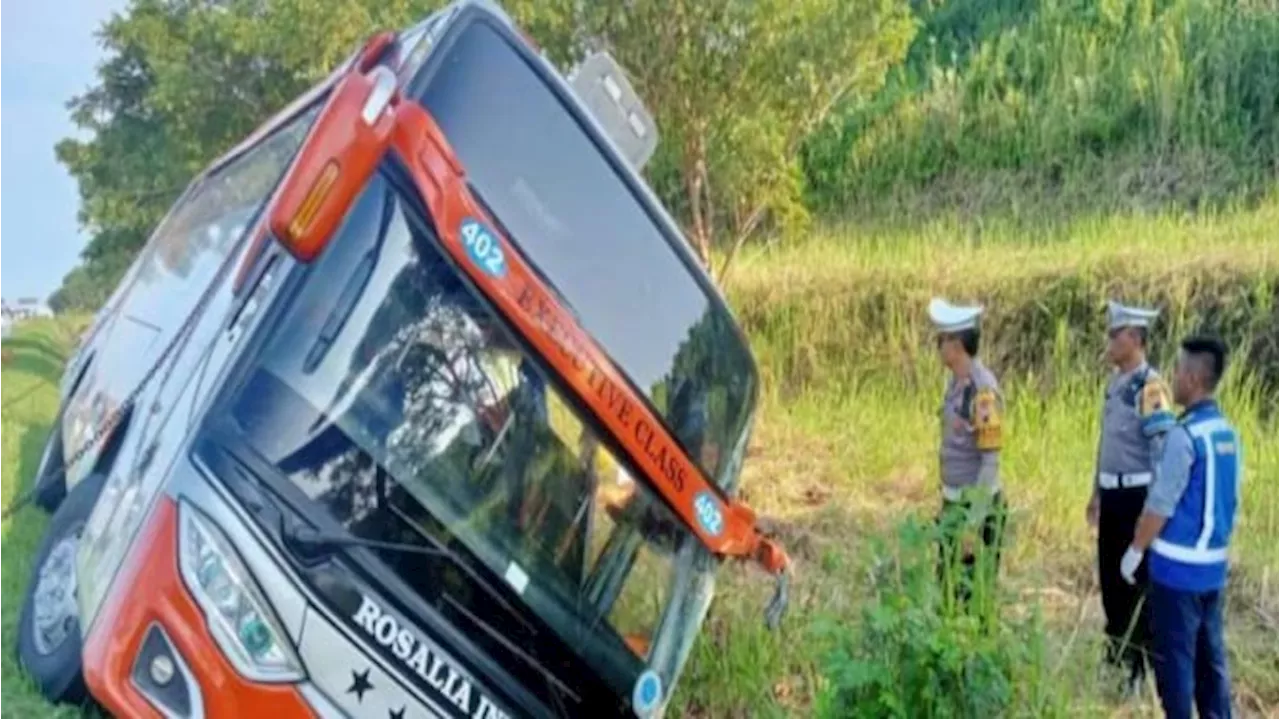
<point x="1133" y="398"/>
<point x="970" y="417"/>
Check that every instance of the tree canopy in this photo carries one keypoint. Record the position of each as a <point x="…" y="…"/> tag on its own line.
<point x="736" y="85"/>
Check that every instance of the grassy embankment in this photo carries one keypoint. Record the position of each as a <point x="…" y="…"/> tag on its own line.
<point x="1039" y="157"/>
<point x="845" y="451"/>
<point x="29" y="392"/>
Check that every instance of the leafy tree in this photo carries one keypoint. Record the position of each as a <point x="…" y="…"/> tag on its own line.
<point x="735" y="86"/>
<point x="183" y="82"/>
<point x="79" y="291"/>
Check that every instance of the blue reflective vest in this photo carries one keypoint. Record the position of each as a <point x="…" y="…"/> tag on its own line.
<point x="1191" y="552"/>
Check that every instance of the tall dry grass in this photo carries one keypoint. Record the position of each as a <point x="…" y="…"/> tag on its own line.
<point x="845" y="453"/>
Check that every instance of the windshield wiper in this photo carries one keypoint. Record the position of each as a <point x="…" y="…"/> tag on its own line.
<point x="324" y="542"/>
<point x="553" y="682"/>
<point x="250" y="489"/>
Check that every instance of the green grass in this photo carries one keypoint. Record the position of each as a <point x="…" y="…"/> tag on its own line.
<point x="846" y="444"/>
<point x="848" y="304"/>
<point x="839" y="471"/>
<point x="1053" y="106"/>
<point x="29" y="391"/>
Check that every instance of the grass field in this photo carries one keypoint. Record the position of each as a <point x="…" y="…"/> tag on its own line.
<point x="846" y="443"/>
<point x="844" y="454"/>
<point x="29" y="392"/>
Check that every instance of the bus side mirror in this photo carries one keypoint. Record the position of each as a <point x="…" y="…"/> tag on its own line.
<point x="601" y="85"/>
<point x="349" y="137"/>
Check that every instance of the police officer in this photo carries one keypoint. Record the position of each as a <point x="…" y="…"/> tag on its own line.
<point x="969" y="454"/>
<point x="1136" y="413"/>
<point x="1187" y="523"/>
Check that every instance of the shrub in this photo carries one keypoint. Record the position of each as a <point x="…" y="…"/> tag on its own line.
<point x="918" y="652"/>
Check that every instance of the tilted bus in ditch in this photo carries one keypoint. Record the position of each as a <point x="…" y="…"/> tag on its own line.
<point x="415" y="404"/>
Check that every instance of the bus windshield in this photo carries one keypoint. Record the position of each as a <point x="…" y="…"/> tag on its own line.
<point x="573" y="216"/>
<point x="393" y="397"/>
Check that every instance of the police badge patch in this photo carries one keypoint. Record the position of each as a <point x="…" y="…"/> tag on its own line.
<point x="986" y="420"/>
<point x="1155" y="407"/>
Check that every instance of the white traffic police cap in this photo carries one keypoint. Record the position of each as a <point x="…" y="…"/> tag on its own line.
<point x="1119" y="315"/>
<point x="953" y="318"/>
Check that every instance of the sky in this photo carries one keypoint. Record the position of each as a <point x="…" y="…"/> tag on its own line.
<point x="48" y="54"/>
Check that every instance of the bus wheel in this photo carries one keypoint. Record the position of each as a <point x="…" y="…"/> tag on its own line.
<point x="51" y="481"/>
<point x="49" y="625"/>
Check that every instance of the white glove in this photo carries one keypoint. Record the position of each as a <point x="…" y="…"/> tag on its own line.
<point x="1129" y="564"/>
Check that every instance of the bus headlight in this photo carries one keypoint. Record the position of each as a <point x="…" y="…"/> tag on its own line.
<point x="239" y="617"/>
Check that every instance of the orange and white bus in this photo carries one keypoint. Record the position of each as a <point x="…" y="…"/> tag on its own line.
<point x="415" y="404"/>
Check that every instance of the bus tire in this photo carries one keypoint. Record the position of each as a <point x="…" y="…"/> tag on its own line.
<point x="49" y="645"/>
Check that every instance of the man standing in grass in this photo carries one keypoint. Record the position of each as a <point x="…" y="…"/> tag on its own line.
<point x="969" y="455"/>
<point x="1136" y="414"/>
<point x="1187" y="522"/>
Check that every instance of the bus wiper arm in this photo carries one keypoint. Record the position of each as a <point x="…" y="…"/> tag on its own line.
<point x="324" y="542"/>
<point x="553" y="682"/>
<point x="295" y="537"/>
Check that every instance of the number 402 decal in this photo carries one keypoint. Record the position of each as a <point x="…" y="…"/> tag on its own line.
<point x="483" y="248"/>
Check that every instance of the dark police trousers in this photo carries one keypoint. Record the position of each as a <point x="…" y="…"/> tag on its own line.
<point x="1127" y="629"/>
<point x="1188" y="653"/>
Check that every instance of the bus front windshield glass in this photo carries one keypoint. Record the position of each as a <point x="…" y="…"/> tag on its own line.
<point x="574" y="217"/>
<point x="399" y="403"/>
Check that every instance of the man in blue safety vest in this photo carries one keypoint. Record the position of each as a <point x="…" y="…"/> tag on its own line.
<point x="1187" y="522"/>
